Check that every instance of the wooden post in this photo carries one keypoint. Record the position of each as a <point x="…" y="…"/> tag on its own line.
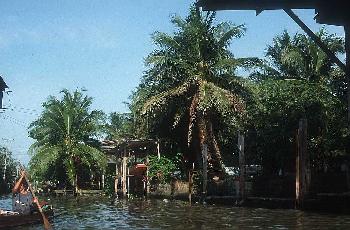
<point x="205" y="171"/>
<point x="128" y="181"/>
<point x="147" y="174"/>
<point x="103" y="180"/>
<point x="303" y="172"/>
<point x="124" y="173"/>
<point x="158" y="149"/>
<point x="241" y="167"/>
<point x="76" y="183"/>
<point x="116" y="178"/>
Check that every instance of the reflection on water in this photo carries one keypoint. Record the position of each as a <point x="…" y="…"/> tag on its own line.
<point x="101" y="213"/>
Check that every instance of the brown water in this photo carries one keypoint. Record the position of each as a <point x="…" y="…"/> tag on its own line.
<point x="101" y="213"/>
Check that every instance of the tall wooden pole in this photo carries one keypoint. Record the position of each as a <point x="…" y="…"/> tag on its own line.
<point x="303" y="172"/>
<point x="147" y="173"/>
<point x="241" y="167"/>
<point x="158" y="149"/>
<point x="116" y="179"/>
<point x="124" y="173"/>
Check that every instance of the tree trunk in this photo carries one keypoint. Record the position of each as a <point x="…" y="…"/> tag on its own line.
<point x="215" y="154"/>
<point x="203" y="149"/>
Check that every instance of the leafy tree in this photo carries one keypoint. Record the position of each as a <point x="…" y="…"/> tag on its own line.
<point x="191" y="86"/>
<point x="63" y="134"/>
<point x="299" y="81"/>
<point x="163" y="168"/>
<point x="120" y="127"/>
<point x="8" y="170"/>
<point x="279" y="106"/>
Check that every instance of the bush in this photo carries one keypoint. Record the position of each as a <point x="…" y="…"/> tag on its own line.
<point x="163" y="169"/>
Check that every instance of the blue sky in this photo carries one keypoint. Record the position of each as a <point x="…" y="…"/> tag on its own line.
<point x="98" y="45"/>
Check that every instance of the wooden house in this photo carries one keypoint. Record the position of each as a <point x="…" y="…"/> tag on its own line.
<point x="130" y="158"/>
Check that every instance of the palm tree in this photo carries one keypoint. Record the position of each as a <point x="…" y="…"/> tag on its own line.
<point x="191" y="82"/>
<point x="299" y="57"/>
<point x="63" y="138"/>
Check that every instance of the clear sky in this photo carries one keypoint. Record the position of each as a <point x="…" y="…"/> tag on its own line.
<point x="99" y="45"/>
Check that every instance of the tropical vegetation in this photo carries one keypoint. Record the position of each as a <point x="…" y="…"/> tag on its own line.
<point x="193" y="94"/>
<point x="8" y="170"/>
<point x="66" y="146"/>
<point x="191" y="87"/>
<point x="297" y="81"/>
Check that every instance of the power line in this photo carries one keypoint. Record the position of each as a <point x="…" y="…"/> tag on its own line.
<point x="13" y="120"/>
<point x="23" y="110"/>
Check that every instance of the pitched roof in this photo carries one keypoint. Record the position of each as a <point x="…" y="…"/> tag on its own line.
<point x="3" y="85"/>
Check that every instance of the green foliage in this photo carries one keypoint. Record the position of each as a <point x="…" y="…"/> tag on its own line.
<point x="299" y="57"/>
<point x="63" y="135"/>
<point x="299" y="82"/>
<point x="163" y="169"/>
<point x="120" y="126"/>
<point x="279" y="106"/>
<point x="191" y="83"/>
<point x="8" y="174"/>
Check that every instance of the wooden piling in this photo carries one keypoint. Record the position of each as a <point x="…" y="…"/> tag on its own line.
<point x="303" y="172"/>
<point x="124" y="173"/>
<point x="241" y="167"/>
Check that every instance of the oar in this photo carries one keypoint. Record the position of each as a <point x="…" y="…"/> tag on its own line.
<point x="47" y="224"/>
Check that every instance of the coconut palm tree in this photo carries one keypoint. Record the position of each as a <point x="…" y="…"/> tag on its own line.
<point x="191" y="82"/>
<point x="63" y="138"/>
<point x="299" y="57"/>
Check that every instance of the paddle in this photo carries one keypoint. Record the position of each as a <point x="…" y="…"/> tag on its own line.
<point x="47" y="224"/>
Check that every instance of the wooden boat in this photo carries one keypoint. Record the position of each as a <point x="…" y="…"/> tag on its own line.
<point x="12" y="219"/>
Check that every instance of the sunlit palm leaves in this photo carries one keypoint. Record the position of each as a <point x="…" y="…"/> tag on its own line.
<point x="192" y="77"/>
<point x="298" y="57"/>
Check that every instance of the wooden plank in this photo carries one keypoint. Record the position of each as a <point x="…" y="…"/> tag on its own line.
<point x="303" y="172"/>
<point x="241" y="167"/>
<point x="333" y="15"/>
<point x="90" y="192"/>
<point x="333" y="12"/>
<point x="256" y="4"/>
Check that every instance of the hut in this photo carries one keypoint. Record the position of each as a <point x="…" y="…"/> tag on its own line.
<point x="129" y="158"/>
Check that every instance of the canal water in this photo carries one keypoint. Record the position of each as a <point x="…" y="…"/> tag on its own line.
<point x="101" y="213"/>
